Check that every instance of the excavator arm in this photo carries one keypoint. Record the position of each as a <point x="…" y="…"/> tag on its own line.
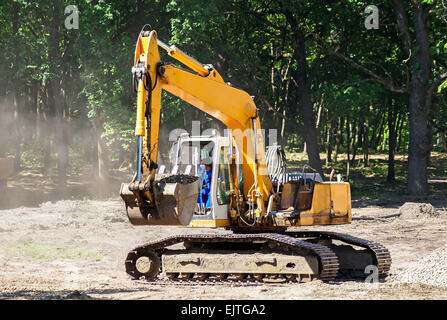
<point x="152" y="198"/>
<point x="205" y="89"/>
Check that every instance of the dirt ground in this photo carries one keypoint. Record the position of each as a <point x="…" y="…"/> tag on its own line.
<point x="76" y="249"/>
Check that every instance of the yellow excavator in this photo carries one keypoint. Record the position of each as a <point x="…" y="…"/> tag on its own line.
<point x="249" y="190"/>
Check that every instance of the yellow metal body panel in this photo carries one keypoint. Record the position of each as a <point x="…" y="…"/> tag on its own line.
<point x="147" y="52"/>
<point x="331" y="204"/>
<point x="195" y="65"/>
<point x="155" y="96"/>
<point x="210" y="223"/>
<point x="340" y="195"/>
<point x="141" y="109"/>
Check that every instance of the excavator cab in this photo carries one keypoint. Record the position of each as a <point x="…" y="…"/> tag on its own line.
<point x="190" y="155"/>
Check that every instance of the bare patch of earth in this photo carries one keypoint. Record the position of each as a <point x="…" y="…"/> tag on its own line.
<point x="75" y="249"/>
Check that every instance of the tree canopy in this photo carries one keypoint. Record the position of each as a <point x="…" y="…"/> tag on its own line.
<point x="328" y="84"/>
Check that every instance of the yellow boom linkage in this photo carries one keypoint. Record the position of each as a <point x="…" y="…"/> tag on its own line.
<point x="205" y="90"/>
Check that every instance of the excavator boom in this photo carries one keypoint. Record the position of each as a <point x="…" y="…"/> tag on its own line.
<point x="205" y="89"/>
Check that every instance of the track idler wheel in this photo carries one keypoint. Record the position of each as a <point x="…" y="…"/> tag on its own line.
<point x="147" y="265"/>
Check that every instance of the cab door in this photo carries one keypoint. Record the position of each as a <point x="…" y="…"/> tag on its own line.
<point x="219" y="193"/>
<point x="222" y="185"/>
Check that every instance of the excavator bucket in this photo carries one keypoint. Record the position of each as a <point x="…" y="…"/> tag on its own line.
<point x="174" y="199"/>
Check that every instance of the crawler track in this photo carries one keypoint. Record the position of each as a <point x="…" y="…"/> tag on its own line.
<point x="329" y="267"/>
<point x="328" y="262"/>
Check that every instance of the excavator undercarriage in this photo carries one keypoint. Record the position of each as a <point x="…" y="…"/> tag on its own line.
<point x="291" y="256"/>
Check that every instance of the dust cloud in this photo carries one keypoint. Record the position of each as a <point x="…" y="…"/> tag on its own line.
<point x="43" y="148"/>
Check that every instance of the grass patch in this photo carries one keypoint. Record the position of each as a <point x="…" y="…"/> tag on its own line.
<point x="369" y="182"/>
<point x="50" y="252"/>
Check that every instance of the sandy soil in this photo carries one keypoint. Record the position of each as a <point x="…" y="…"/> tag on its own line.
<point x="51" y="251"/>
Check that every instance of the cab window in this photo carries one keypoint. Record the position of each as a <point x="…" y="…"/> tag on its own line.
<point x="223" y="179"/>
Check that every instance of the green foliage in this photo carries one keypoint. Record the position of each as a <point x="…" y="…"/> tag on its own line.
<point x="442" y="86"/>
<point x="253" y="44"/>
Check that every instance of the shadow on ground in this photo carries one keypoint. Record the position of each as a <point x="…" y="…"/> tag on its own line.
<point x="64" y="294"/>
<point x="30" y="188"/>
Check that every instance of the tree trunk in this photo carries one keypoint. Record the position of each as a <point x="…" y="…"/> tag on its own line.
<point x="420" y="131"/>
<point x="374" y="129"/>
<point x="366" y="139"/>
<point x="309" y="130"/>
<point x="102" y="165"/>
<point x="339" y="138"/>
<point x="420" y="146"/>
<point x="391" y="142"/>
<point x="383" y="139"/>
<point x="56" y="99"/>
<point x="355" y="138"/>
<point x="399" y="126"/>
<point x="284" y="113"/>
<point x="381" y="133"/>
<point x="16" y="136"/>
<point x="419" y="93"/>
<point x="401" y="131"/>
<point x="348" y="144"/>
<point x="444" y="140"/>
<point x="329" y="141"/>
<point x="44" y="130"/>
<point x="360" y="132"/>
<point x="4" y="125"/>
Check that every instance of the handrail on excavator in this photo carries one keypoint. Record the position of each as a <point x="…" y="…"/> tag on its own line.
<point x="179" y="55"/>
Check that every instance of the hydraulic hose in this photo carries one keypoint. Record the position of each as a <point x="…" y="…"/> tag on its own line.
<point x="276" y="162"/>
